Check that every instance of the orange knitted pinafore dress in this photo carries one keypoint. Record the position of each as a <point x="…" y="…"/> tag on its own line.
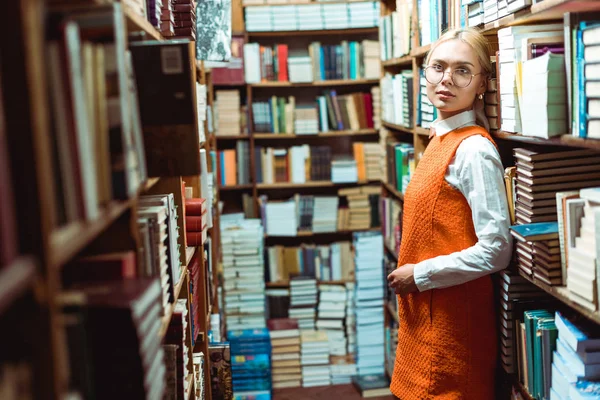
<point x="447" y="337"/>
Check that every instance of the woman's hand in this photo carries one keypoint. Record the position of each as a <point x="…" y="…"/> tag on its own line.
<point x="402" y="280"/>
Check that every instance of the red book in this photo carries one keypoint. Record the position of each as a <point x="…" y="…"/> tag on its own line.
<point x="233" y="73"/>
<point x="368" y="101"/>
<point x="195" y="207"/>
<point x="101" y="268"/>
<point x="195" y="238"/>
<point x="195" y="223"/>
<point x="282" y="324"/>
<point x="282" y="60"/>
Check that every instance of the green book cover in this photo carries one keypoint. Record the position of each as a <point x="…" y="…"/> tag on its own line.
<point x="549" y="336"/>
<point x="274" y="114"/>
<point x="530" y="326"/>
<point x="538" y="367"/>
<point x="281" y="111"/>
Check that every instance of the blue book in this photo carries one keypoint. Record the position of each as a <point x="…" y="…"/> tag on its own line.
<point x="249" y="335"/>
<point x="578" y="337"/>
<point x="535" y="232"/>
<point x="255" y="395"/>
<point x="584" y="390"/>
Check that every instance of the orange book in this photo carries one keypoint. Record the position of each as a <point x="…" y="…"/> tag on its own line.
<point x="230" y="167"/>
<point x="359" y="156"/>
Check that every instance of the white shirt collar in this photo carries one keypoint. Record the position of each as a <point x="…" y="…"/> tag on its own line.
<point x="465" y="118"/>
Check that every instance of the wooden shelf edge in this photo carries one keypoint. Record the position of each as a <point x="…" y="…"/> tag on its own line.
<point x="332" y="82"/>
<point x="562" y="140"/>
<point x="422" y="131"/>
<point x="279" y="136"/>
<point x="15" y="278"/>
<point x="166" y="319"/>
<point x="311" y="234"/>
<point x="285" y="284"/>
<point x="149" y="184"/>
<point x="560" y="293"/>
<point x="189" y="253"/>
<point x="232" y="137"/>
<point x="316" y="32"/>
<point x="189" y="380"/>
<point x="235" y="187"/>
<point x="311" y="184"/>
<point x="396" y="127"/>
<point x="394" y="62"/>
<point x="420" y="51"/>
<point x="393" y="191"/>
<point x="137" y="22"/>
<point x="67" y="241"/>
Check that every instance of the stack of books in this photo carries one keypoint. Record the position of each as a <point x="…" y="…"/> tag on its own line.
<point x="119" y="363"/>
<point x="351" y="317"/>
<point x="250" y="362"/>
<point x="400" y="159"/>
<point x="227" y="112"/>
<point x="310" y="17"/>
<point x="582" y="250"/>
<point x="154" y="11"/>
<point x="490" y="11"/>
<point x="544" y="106"/>
<point x="314" y="357"/>
<point x="176" y="351"/>
<point x="514" y="291"/>
<point x="331" y="315"/>
<point x="166" y="17"/>
<point x="534" y="242"/>
<point x="199" y="371"/>
<point x="300" y="67"/>
<point x="185" y="19"/>
<point x="353" y="111"/>
<point x="492" y="108"/>
<point x="368" y="160"/>
<point x="363" y="207"/>
<point x="196" y="221"/>
<point x="243" y="266"/>
<point x="276" y="217"/>
<point x="258" y="19"/>
<point x="427" y="112"/>
<point x="510" y="41"/>
<point x="286" y="19"/>
<point x="285" y="344"/>
<point x="303" y="301"/>
<point x="371" y="55"/>
<point x="369" y="302"/>
<point x="397" y="98"/>
<point x="344" y="170"/>
<point x="325" y="214"/>
<point x="306" y="120"/>
<point x="376" y="96"/>
<point x="342" y="369"/>
<point x="475" y="12"/>
<point x="575" y="369"/>
<point x="219" y="356"/>
<point x="539" y="176"/>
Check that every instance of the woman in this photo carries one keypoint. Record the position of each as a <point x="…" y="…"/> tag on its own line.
<point x="455" y="234"/>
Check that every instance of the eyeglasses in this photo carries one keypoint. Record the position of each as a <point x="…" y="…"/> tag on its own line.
<point x="461" y="77"/>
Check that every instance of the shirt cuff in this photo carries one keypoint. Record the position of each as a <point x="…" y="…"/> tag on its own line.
<point x="422" y="274"/>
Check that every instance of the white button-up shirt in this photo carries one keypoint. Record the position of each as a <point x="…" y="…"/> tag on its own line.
<point x="477" y="172"/>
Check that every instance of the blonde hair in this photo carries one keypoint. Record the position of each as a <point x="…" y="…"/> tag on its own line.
<point x="481" y="47"/>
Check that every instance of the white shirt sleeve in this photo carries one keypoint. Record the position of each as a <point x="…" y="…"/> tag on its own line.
<point x="477" y="172"/>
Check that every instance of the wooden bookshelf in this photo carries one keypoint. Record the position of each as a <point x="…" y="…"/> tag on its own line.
<point x="322" y="32"/>
<point x="305" y="234"/>
<point x="286" y="284"/>
<point x="235" y="187"/>
<point x="189" y="253"/>
<point x="15" y="279"/>
<point x="390" y="309"/>
<point x="563" y="140"/>
<point x="150" y="184"/>
<point x="398" y="128"/>
<point x="166" y="319"/>
<point x="562" y="294"/>
<point x="330" y="134"/>
<point x="422" y="131"/>
<point x="136" y="22"/>
<point x="393" y="191"/>
<point x="327" y="83"/>
<point x="399" y="61"/>
<point x="303" y="3"/>
<point x="310" y="184"/>
<point x="67" y="241"/>
<point x="232" y="137"/>
<point x="420" y="52"/>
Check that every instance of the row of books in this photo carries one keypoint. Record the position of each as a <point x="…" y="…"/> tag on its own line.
<point x="362" y="211"/>
<point x="177" y="352"/>
<point x="304" y="163"/>
<point x="234" y="165"/>
<point x="477" y="12"/>
<point x="304" y="17"/>
<point x="229" y="114"/>
<point x="333" y="112"/>
<point x="397" y="98"/>
<point x="173" y="18"/>
<point x="332" y="262"/>
<point x="242" y="245"/>
<point x="400" y="165"/>
<point x="426" y="112"/>
<point x="394" y="31"/>
<point x="391" y="223"/>
<point x="348" y="60"/>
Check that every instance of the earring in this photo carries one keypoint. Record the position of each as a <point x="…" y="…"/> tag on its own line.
<point x="480" y="96"/>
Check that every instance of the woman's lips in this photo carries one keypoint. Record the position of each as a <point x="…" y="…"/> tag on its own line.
<point x="445" y="94"/>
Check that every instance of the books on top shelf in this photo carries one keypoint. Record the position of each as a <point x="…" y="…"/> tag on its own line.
<point x="243" y="273"/>
<point x="397" y="98"/>
<point x="227" y="113"/>
<point x="346" y="61"/>
<point x="394" y="31"/>
<point x="369" y="302"/>
<point x="331" y="262"/>
<point x="312" y="16"/>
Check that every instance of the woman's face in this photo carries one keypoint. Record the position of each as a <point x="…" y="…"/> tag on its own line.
<point x="457" y="58"/>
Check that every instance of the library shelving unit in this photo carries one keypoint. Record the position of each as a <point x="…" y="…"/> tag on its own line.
<point x="30" y="286"/>
<point x="540" y="12"/>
